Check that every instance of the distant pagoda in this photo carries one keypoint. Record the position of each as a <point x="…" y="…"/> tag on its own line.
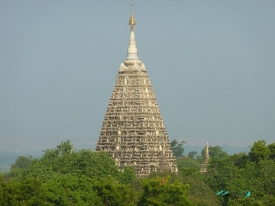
<point x="205" y="164"/>
<point x="133" y="131"/>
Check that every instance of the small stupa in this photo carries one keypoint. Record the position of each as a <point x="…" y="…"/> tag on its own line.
<point x="205" y="164"/>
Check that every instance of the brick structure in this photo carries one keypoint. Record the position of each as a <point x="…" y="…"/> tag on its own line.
<point x="133" y="131"/>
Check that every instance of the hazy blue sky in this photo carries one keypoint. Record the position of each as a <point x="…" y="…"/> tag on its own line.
<point x="211" y="63"/>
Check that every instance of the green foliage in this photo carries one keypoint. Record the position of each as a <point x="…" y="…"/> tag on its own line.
<point x="188" y="162"/>
<point x="127" y="176"/>
<point x="177" y="148"/>
<point x="72" y="190"/>
<point x="214" y="152"/>
<point x="241" y="173"/>
<point x="67" y="190"/>
<point x="25" y="192"/>
<point x="271" y="147"/>
<point x="259" y="151"/>
<point x="64" y="160"/>
<point x="64" y="176"/>
<point x="112" y="193"/>
<point x="192" y="154"/>
<point x="199" y="193"/>
<point x="22" y="162"/>
<point x="157" y="191"/>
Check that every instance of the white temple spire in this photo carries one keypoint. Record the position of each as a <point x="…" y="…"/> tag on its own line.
<point x="207" y="153"/>
<point x="205" y="164"/>
<point x="132" y="53"/>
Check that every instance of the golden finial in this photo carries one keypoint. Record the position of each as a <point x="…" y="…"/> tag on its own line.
<point x="132" y="18"/>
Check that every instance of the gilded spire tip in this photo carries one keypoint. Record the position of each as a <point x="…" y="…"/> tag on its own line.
<point x="132" y="20"/>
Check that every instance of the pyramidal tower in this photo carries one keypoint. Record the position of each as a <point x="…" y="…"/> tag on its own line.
<point x="133" y="131"/>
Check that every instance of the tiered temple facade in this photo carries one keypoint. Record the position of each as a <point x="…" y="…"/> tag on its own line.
<point x="133" y="131"/>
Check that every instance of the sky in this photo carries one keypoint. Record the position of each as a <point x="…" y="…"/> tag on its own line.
<point x="211" y="64"/>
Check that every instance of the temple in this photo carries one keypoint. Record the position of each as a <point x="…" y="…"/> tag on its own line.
<point x="133" y="131"/>
<point x="205" y="164"/>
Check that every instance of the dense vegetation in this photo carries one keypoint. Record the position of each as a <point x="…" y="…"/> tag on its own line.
<point x="64" y="176"/>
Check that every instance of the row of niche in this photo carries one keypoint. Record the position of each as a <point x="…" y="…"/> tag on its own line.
<point x="132" y="136"/>
<point x="133" y="109"/>
<point x="148" y="164"/>
<point x="141" y="133"/>
<point x="133" y="112"/>
<point x="151" y="163"/>
<point x="130" y="141"/>
<point x="137" y="163"/>
<point x="147" y="171"/>
<point x="133" y="95"/>
<point x="142" y="127"/>
<point x="137" y="148"/>
<point x="135" y="154"/>
<point x="135" y="131"/>
<point x="133" y="124"/>
<point x="127" y="106"/>
<point x="143" y="159"/>
<point x="162" y="146"/>
<point x="135" y="117"/>
<point x="157" y="122"/>
<point x="156" y="147"/>
<point x="145" y="133"/>
<point x="133" y="80"/>
<point x="141" y="153"/>
<point x="134" y="101"/>
<point x="148" y="149"/>
<point x="123" y="105"/>
<point x="130" y="117"/>
<point x="126" y="146"/>
<point x="133" y="89"/>
<point x="153" y="146"/>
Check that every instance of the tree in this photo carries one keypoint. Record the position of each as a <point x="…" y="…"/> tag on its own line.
<point x="22" y="162"/>
<point x="259" y="151"/>
<point x="199" y="193"/>
<point x="159" y="192"/>
<point x="177" y="148"/>
<point x="67" y="190"/>
<point x="214" y="151"/>
<point x="271" y="147"/>
<point x="127" y="176"/>
<point x="192" y="154"/>
<point x="25" y="192"/>
<point x="188" y="163"/>
<point x="64" y="160"/>
<point x="74" y="190"/>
